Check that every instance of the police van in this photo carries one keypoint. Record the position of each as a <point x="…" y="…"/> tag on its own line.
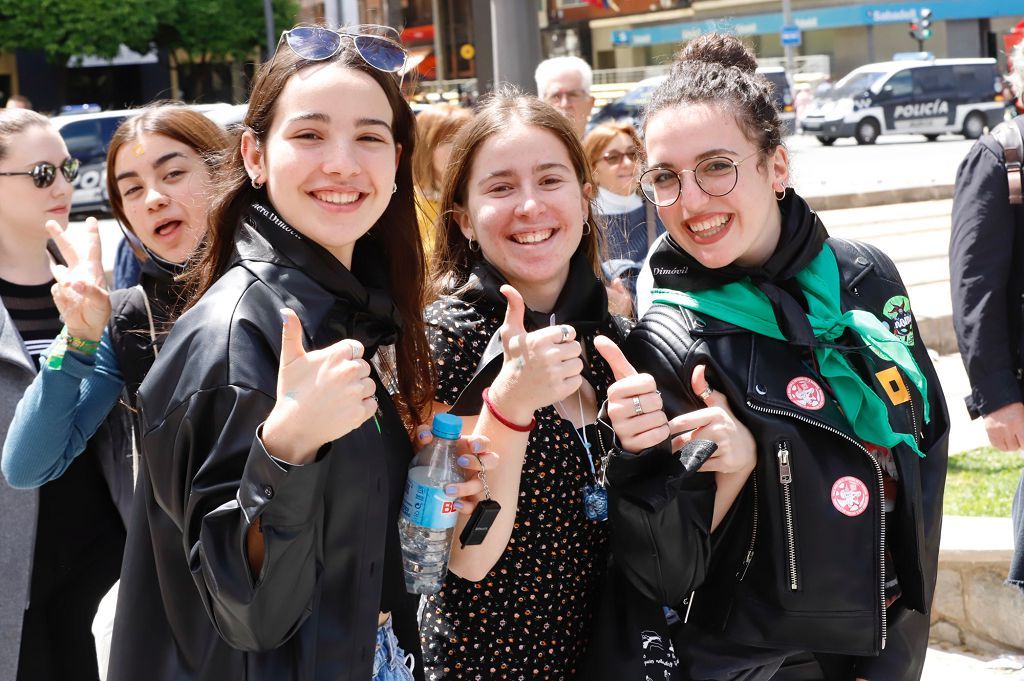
<point x="899" y="97"/>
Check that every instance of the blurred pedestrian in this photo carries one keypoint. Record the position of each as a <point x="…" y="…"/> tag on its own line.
<point x="264" y="539"/>
<point x="435" y="127"/>
<point x="630" y="223"/>
<point x="160" y="164"/>
<point x="564" y="83"/>
<point x="18" y="102"/>
<point x="60" y="546"/>
<point x="517" y="267"/>
<point x="798" y="351"/>
<point x="986" y="261"/>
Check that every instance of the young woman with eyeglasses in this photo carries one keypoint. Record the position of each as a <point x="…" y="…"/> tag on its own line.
<point x="784" y="345"/>
<point x="264" y="540"/>
<point x="630" y="223"/>
<point x="61" y="544"/>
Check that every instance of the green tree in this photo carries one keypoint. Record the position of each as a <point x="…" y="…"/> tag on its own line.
<point x="201" y="33"/>
<point x="67" y="28"/>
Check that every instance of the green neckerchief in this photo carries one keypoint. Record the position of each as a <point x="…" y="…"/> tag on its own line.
<point x="742" y="304"/>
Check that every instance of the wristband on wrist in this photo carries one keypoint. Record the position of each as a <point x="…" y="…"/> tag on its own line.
<point x="504" y="421"/>
<point x="64" y="342"/>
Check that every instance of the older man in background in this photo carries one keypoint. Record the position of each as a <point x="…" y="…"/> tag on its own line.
<point x="564" y="83"/>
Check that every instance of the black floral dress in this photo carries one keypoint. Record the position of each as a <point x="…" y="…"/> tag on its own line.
<point x="530" y="617"/>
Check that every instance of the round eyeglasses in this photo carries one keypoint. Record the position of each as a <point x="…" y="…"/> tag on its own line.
<point x="44" y="174"/>
<point x="379" y="46"/>
<point x="716" y="176"/>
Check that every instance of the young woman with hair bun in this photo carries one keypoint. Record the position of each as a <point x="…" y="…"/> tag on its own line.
<point x="798" y="355"/>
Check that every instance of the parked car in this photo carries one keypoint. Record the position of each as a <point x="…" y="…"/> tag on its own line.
<point x="926" y="97"/>
<point x="630" y="106"/>
<point x="87" y="136"/>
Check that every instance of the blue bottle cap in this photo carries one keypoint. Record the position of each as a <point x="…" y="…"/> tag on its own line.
<point x="448" y="426"/>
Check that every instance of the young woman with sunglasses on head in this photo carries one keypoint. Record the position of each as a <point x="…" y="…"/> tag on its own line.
<point x="61" y="545"/>
<point x="631" y="223"/>
<point x="780" y="343"/>
<point x="264" y="540"/>
<point x="520" y="302"/>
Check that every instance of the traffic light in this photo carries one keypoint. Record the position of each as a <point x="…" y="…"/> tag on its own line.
<point x="914" y="29"/>
<point x="924" y="30"/>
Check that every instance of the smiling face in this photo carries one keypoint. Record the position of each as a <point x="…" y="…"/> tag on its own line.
<point x="24" y="207"/>
<point x="163" y="185"/>
<point x="744" y="225"/>
<point x="526" y="208"/>
<point x="330" y="157"/>
<point x="620" y="177"/>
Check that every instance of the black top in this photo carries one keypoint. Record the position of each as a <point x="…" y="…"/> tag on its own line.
<point x="531" y="616"/>
<point x="34" y="314"/>
<point x="190" y="607"/>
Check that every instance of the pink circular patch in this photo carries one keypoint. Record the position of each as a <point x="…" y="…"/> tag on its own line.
<point x="850" y="496"/>
<point x="805" y="393"/>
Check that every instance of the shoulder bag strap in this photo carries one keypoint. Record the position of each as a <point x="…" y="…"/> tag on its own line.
<point x="1011" y="138"/>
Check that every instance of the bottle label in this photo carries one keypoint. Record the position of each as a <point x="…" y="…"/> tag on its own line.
<point x="428" y="507"/>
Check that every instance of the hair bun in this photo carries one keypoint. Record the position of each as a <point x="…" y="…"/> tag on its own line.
<point x="716" y="48"/>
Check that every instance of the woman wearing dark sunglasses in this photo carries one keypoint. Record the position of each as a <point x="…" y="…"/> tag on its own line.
<point x="800" y="352"/>
<point x="68" y="534"/>
<point x="630" y="223"/>
<point x="264" y="540"/>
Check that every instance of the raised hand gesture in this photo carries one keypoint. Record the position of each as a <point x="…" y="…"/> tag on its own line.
<point x="540" y="367"/>
<point x="634" y="403"/>
<point x="80" y="292"/>
<point x="321" y="395"/>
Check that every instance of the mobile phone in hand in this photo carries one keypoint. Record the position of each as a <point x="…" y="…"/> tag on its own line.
<point x="54" y="251"/>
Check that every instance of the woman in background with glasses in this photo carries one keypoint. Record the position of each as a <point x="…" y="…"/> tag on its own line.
<point x="264" y="540"/>
<point x="783" y="345"/>
<point x="61" y="545"/>
<point x="631" y="223"/>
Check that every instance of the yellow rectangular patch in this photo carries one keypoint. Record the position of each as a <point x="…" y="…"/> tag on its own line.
<point x="894" y="386"/>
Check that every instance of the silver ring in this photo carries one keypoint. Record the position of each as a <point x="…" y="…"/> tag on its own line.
<point x="566" y="330"/>
<point x="638" y="408"/>
<point x="706" y="393"/>
<point x="353" y="349"/>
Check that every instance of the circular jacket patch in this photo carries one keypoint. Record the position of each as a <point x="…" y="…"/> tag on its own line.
<point x="850" y="496"/>
<point x="805" y="393"/>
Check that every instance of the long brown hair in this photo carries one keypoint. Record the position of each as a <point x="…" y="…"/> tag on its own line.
<point x="435" y="125"/>
<point x="452" y="259"/>
<point x="396" y="231"/>
<point x="175" y="122"/>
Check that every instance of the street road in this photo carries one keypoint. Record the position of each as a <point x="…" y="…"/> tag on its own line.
<point x="893" y="162"/>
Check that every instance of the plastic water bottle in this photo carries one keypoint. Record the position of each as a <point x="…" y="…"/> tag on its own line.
<point x="428" y="517"/>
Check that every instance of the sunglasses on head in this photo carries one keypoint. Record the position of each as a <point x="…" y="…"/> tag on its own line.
<point x="379" y="46"/>
<point x="44" y="174"/>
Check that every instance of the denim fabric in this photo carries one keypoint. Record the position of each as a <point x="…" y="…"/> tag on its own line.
<point x="1016" y="576"/>
<point x="389" y="663"/>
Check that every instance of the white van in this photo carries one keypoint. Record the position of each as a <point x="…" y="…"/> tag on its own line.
<point x="927" y="97"/>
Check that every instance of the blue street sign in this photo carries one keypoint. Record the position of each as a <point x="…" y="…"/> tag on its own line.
<point x="790" y="36"/>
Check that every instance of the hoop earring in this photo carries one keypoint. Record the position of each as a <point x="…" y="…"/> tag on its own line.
<point x="256" y="185"/>
<point x="586" y="227"/>
<point x="394" y="188"/>
<point x="473" y="242"/>
<point x="782" y="192"/>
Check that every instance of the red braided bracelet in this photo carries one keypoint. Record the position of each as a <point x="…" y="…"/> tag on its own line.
<point x="504" y="421"/>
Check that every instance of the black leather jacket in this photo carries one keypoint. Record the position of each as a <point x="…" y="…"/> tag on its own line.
<point x="788" y="570"/>
<point x="189" y="607"/>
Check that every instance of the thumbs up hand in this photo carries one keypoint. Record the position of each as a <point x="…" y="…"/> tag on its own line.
<point x="737" y="451"/>
<point x="634" y="403"/>
<point x="540" y="367"/>
<point x="321" y="395"/>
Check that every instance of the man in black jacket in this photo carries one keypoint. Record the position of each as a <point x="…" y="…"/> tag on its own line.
<point x="986" y="257"/>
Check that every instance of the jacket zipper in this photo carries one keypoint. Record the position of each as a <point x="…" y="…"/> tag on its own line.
<point x="918" y="435"/>
<point x="786" y="481"/>
<point x="753" y="538"/>
<point x="881" y="496"/>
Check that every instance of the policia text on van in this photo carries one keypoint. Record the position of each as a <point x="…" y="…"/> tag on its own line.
<point x="925" y="97"/>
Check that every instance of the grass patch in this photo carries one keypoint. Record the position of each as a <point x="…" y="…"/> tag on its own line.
<point x="981" y="482"/>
